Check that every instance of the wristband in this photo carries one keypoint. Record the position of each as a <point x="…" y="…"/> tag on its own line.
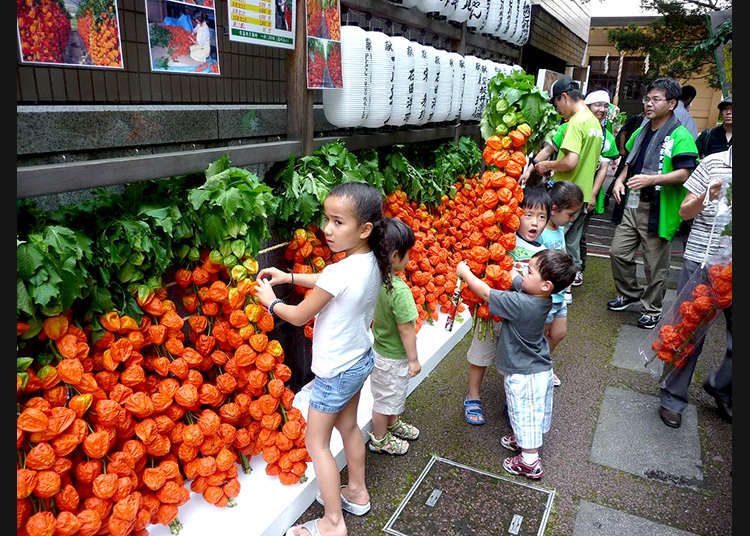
<point x="274" y="302"/>
<point x="292" y="274"/>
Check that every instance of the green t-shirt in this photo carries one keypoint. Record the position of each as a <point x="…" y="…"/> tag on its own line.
<point x="392" y="309"/>
<point x="679" y="142"/>
<point x="609" y="147"/>
<point x="584" y="137"/>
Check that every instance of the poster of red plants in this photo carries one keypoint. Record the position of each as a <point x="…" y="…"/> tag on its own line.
<point x="323" y="44"/>
<point x="80" y="33"/>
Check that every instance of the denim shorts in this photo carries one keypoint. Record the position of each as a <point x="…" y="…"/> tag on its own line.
<point x="559" y="310"/>
<point x="331" y="395"/>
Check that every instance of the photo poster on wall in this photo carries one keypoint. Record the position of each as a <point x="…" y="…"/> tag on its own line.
<point x="78" y="33"/>
<point x="323" y="44"/>
<point x="182" y="36"/>
<point x="263" y="22"/>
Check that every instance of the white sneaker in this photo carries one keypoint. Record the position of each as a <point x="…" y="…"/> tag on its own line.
<point x="568" y="297"/>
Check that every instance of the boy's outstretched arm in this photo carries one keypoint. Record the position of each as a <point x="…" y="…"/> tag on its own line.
<point x="477" y="286"/>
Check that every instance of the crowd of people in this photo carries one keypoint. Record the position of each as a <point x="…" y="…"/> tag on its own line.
<point x="365" y="313"/>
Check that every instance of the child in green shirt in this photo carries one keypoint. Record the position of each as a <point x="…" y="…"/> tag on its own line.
<point x="395" y="347"/>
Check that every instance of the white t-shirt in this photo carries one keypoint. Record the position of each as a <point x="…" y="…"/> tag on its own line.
<point x="715" y="166"/>
<point x="342" y="328"/>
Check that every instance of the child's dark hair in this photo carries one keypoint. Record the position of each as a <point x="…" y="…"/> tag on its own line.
<point x="368" y="207"/>
<point x="397" y="237"/>
<point x="565" y="194"/>
<point x="556" y="266"/>
<point x="536" y="196"/>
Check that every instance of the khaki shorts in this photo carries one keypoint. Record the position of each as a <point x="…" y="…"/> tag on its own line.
<point x="482" y="353"/>
<point x="389" y="382"/>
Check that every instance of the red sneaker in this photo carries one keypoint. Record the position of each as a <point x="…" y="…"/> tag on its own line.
<point x="516" y="466"/>
<point x="509" y="442"/>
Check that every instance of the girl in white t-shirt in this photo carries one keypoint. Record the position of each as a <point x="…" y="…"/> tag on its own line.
<point x="343" y="297"/>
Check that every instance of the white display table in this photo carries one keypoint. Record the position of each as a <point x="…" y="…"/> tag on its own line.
<point x="265" y="507"/>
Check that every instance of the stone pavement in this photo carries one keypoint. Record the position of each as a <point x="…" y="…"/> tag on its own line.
<point x="615" y="467"/>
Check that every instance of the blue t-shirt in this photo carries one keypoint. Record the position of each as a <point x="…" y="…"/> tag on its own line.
<point x="554" y="240"/>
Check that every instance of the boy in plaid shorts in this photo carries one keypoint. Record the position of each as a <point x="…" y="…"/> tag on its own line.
<point x="523" y="355"/>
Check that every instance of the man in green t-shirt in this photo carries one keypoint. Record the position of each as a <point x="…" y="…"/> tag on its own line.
<point x="577" y="158"/>
<point x="662" y="154"/>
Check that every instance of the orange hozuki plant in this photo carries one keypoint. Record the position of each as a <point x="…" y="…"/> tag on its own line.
<point x="109" y="436"/>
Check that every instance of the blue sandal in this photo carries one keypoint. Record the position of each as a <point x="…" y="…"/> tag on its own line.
<point x="473" y="411"/>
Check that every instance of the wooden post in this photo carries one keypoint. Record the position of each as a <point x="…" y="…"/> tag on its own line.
<point x="298" y="98"/>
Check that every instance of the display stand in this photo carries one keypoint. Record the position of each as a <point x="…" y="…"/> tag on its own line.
<point x="265" y="507"/>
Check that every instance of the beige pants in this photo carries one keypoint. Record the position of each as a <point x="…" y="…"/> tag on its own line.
<point x="631" y="234"/>
<point x="482" y="353"/>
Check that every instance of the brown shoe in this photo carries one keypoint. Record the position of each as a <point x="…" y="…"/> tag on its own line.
<point x="670" y="418"/>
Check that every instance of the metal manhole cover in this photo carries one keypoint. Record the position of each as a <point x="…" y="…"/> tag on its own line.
<point x="449" y="498"/>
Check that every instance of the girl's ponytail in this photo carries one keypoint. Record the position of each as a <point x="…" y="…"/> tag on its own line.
<point x="389" y="236"/>
<point x="379" y="246"/>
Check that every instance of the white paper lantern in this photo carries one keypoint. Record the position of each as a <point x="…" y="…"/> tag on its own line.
<point x="461" y="13"/>
<point x="444" y="88"/>
<point x="493" y="14"/>
<point x="497" y="9"/>
<point x="433" y="78"/>
<point x="503" y="27"/>
<point x="525" y="22"/>
<point x="473" y="67"/>
<point x="457" y="94"/>
<point x="348" y="107"/>
<point x="403" y="81"/>
<point x="482" y="92"/>
<point x="409" y="3"/>
<point x="419" y="101"/>
<point x="429" y="6"/>
<point x="513" y="31"/>
<point x="448" y="8"/>
<point x="381" y="80"/>
<point x="478" y="14"/>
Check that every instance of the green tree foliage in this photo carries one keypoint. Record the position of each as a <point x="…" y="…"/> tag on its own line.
<point x="678" y="43"/>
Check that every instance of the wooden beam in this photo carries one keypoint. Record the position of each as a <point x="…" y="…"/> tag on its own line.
<point x="56" y="178"/>
<point x="411" y="17"/>
<point x="299" y="101"/>
<point x="355" y="142"/>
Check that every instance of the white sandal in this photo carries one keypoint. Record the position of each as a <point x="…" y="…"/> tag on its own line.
<point x="311" y="526"/>
<point x="348" y="506"/>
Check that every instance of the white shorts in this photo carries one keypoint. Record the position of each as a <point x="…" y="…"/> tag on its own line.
<point x="529" y="398"/>
<point x="482" y="353"/>
<point x="389" y="382"/>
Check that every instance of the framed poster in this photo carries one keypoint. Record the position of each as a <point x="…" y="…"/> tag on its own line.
<point x="263" y="22"/>
<point x="323" y="21"/>
<point x="182" y="36"/>
<point x="79" y="33"/>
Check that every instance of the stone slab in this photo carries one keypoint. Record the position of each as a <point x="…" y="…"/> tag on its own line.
<point x="596" y="520"/>
<point x="630" y="437"/>
<point x="55" y="129"/>
<point x="631" y="339"/>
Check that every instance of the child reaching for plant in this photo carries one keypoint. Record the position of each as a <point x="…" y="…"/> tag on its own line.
<point x="522" y="352"/>
<point x="536" y="206"/>
<point x="567" y="200"/>
<point x="395" y="347"/>
<point x="343" y="297"/>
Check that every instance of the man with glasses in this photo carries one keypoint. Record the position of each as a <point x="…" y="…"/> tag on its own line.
<point x="662" y="154"/>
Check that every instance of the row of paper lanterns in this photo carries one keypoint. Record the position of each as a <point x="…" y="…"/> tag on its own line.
<point x="389" y="80"/>
<point x="508" y="20"/>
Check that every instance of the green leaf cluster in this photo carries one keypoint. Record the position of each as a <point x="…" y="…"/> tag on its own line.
<point x="232" y="204"/>
<point x="53" y="271"/>
<point x="304" y="182"/>
<point x="515" y="99"/>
